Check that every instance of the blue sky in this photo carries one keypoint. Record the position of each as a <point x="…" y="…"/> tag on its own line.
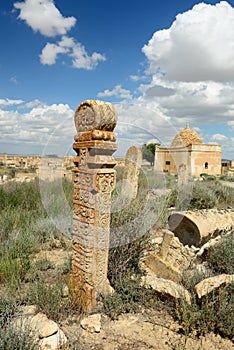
<point x="161" y="63"/>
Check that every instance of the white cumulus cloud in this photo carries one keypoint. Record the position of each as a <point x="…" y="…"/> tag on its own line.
<point x="198" y="46"/>
<point x="219" y="138"/>
<point x="44" y="17"/>
<point x="231" y="124"/>
<point x="76" y="51"/>
<point x="41" y="125"/>
<point x="9" y="102"/>
<point x="81" y="59"/>
<point x="50" y="52"/>
<point x="118" y="91"/>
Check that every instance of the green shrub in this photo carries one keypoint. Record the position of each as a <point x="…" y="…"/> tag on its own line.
<point x="208" y="177"/>
<point x="215" y="311"/>
<point x="201" y="195"/>
<point x="127" y="243"/>
<point x="192" y="277"/>
<point x="227" y="178"/>
<point x="125" y="299"/>
<point x="220" y="257"/>
<point x="49" y="298"/>
<point x="10" y="337"/>
<point x="16" y="255"/>
<point x="8" y="308"/>
<point x="213" y="314"/>
<point x="224" y="194"/>
<point x="129" y="296"/>
<point x="43" y="264"/>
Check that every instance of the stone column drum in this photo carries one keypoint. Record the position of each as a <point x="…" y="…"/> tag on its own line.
<point x="94" y="180"/>
<point x="197" y="227"/>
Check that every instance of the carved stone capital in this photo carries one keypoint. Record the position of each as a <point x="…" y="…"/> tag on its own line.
<point x="95" y="115"/>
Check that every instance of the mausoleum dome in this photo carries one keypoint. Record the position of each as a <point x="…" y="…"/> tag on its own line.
<point x="186" y="137"/>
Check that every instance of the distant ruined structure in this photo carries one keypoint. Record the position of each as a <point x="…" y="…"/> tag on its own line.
<point x="188" y="156"/>
<point x="94" y="180"/>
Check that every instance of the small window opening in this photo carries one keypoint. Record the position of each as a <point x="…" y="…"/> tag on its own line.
<point x="168" y="162"/>
<point x="206" y="165"/>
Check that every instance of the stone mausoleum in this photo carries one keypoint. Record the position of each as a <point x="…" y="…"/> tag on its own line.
<point x="187" y="154"/>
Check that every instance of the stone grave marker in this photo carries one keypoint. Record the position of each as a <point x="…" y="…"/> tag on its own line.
<point x="133" y="161"/>
<point x="94" y="180"/>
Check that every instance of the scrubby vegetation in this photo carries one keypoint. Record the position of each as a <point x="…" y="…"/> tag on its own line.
<point x="215" y="311"/>
<point x="227" y="178"/>
<point x="26" y="229"/>
<point x="200" y="317"/>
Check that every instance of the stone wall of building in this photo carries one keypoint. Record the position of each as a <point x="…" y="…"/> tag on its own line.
<point x="171" y="159"/>
<point x="206" y="159"/>
<point x="195" y="159"/>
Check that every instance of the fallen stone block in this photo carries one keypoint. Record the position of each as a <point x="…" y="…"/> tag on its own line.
<point x="46" y="332"/>
<point x="54" y="342"/>
<point x="166" y="287"/>
<point x="92" y="323"/>
<point x="209" y="284"/>
<point x="169" y="258"/>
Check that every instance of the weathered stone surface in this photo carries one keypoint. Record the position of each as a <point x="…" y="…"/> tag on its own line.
<point x="65" y="291"/>
<point x="37" y="320"/>
<point x="133" y="161"/>
<point x="209" y="284"/>
<point x="94" y="180"/>
<point x="183" y="175"/>
<point x="166" y="287"/>
<point x="28" y="310"/>
<point x="95" y="116"/>
<point x="92" y="323"/>
<point x="186" y="137"/>
<point x="47" y="328"/>
<point x="197" y="227"/>
<point x="166" y="243"/>
<point x="46" y="332"/>
<point x="169" y="258"/>
<point x="54" y="342"/>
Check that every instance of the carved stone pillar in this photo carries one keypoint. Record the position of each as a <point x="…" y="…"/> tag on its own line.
<point x="94" y="180"/>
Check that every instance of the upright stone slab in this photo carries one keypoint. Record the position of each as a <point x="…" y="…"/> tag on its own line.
<point x="133" y="161"/>
<point x="183" y="175"/>
<point x="94" y="180"/>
